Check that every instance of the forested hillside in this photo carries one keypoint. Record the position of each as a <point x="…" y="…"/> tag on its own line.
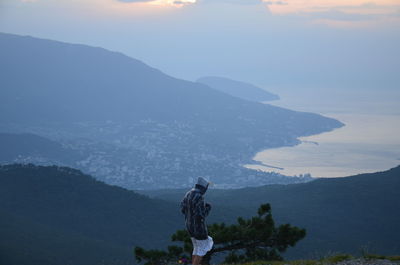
<point x="57" y="216"/>
<point x="340" y="214"/>
<point x="53" y="214"/>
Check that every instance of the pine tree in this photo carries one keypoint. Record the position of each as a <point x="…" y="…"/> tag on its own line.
<point x="256" y="238"/>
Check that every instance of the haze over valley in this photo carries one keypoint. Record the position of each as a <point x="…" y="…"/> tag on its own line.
<point x="111" y="110"/>
<point x="134" y="126"/>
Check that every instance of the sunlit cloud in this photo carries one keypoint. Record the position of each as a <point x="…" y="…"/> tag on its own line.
<point x="339" y="13"/>
<point x="173" y="2"/>
<point x="239" y="2"/>
<point x="185" y="2"/>
<point x="279" y="3"/>
<point x="351" y="6"/>
<point x="135" y="1"/>
<point x="161" y="2"/>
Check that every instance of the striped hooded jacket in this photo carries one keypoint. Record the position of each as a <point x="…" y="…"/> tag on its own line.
<point x="195" y="211"/>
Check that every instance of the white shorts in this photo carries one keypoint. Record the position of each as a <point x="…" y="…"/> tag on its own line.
<point x="201" y="247"/>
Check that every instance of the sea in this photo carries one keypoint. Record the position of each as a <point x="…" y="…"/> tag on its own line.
<point x="369" y="141"/>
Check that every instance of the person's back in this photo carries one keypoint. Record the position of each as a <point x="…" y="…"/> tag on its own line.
<point x="195" y="211"/>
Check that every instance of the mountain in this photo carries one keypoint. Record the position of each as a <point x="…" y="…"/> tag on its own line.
<point x="58" y="215"/>
<point x="238" y="89"/>
<point x="138" y="127"/>
<point x="31" y="148"/>
<point x="341" y="215"/>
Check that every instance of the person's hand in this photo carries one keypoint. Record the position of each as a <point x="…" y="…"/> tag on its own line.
<point x="208" y="206"/>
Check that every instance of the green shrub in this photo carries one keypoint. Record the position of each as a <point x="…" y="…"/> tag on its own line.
<point x="393" y="258"/>
<point x="376" y="256"/>
<point x="338" y="258"/>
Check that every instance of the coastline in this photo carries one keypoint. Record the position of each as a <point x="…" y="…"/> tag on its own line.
<point x="363" y="145"/>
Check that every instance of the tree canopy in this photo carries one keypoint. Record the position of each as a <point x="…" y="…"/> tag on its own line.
<point x="256" y="238"/>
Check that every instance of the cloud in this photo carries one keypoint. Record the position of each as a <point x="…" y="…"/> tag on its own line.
<point x="341" y="16"/>
<point x="341" y="13"/>
<point x="161" y="2"/>
<point x="350" y="6"/>
<point x="279" y="3"/>
<point x="365" y="12"/>
<point x="183" y="2"/>
<point x="239" y="2"/>
<point x="352" y="17"/>
<point x="135" y="1"/>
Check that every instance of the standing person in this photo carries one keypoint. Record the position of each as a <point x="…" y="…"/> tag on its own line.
<point x="195" y="211"/>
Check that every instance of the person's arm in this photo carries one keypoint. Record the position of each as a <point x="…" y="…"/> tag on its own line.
<point x="202" y="209"/>
<point x="208" y="208"/>
<point x="183" y="206"/>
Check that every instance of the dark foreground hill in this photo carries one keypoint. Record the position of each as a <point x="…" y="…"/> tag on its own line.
<point x="142" y="128"/>
<point x="345" y="215"/>
<point x="58" y="216"/>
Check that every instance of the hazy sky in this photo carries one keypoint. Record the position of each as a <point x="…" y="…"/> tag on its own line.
<point x="288" y="43"/>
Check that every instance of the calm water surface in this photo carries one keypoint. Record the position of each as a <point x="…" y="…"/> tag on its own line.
<point x="369" y="142"/>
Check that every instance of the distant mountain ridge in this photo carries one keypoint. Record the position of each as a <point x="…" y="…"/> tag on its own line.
<point x="238" y="88"/>
<point x="31" y="148"/>
<point x="139" y="127"/>
<point x="341" y="215"/>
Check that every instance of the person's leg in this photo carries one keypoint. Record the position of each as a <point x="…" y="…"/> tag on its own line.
<point x="196" y="260"/>
<point x="194" y="251"/>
